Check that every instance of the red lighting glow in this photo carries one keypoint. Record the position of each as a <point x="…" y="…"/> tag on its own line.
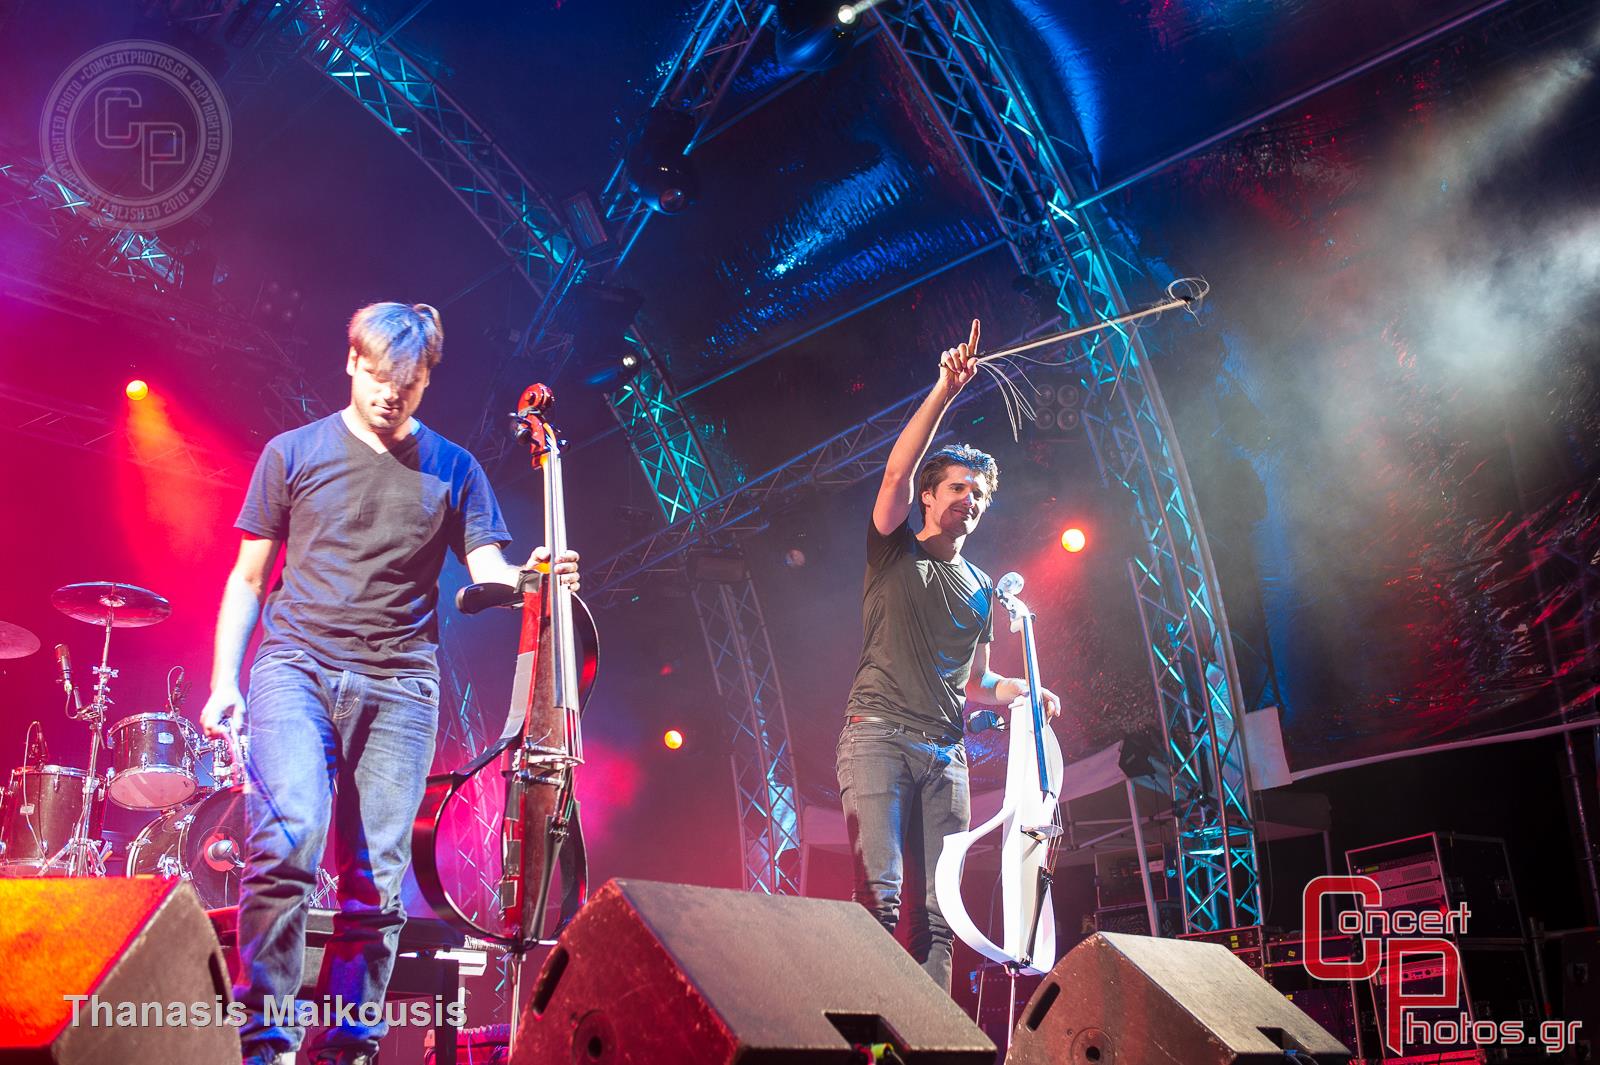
<point x="1074" y="540"/>
<point x="673" y="739"/>
<point x="137" y="390"/>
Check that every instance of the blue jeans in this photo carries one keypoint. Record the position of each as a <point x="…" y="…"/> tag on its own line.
<point x="902" y="794"/>
<point x="328" y="742"/>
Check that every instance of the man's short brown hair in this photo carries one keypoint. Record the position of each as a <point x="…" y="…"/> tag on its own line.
<point x="400" y="339"/>
<point x="979" y="462"/>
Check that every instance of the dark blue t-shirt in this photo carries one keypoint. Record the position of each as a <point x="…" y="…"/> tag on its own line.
<point x="364" y="538"/>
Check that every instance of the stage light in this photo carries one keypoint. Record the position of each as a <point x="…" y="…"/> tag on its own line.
<point x="673" y="739"/>
<point x="850" y="12"/>
<point x="629" y="361"/>
<point x="814" y="35"/>
<point x="1074" y="540"/>
<point x="656" y="162"/>
<point x="137" y="389"/>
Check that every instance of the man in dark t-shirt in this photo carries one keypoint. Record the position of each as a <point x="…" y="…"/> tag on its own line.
<point x="344" y="690"/>
<point x="927" y="623"/>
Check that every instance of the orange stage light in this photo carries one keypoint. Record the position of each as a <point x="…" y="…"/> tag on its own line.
<point x="673" y="739"/>
<point x="1074" y="540"/>
<point x="137" y="389"/>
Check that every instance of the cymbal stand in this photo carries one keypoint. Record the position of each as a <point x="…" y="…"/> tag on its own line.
<point x="87" y="857"/>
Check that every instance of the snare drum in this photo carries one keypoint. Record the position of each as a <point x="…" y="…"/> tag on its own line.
<point x="42" y="807"/>
<point x="152" y="761"/>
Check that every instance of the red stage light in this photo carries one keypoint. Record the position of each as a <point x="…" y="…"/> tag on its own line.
<point x="673" y="739"/>
<point x="137" y="390"/>
<point x="1074" y="540"/>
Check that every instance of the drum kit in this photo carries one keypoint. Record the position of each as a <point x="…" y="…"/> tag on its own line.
<point x="51" y="815"/>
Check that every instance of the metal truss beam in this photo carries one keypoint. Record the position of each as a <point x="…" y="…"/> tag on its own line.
<point x="838" y="462"/>
<point x="696" y="82"/>
<point x="403" y="95"/>
<point x="664" y="441"/>
<point x="56" y="210"/>
<point x="768" y="801"/>
<point x="1026" y="177"/>
<point x="735" y="630"/>
<point x="136" y="276"/>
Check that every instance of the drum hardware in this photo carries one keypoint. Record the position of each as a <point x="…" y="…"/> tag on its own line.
<point x="110" y="605"/>
<point x="35" y="751"/>
<point x="219" y="764"/>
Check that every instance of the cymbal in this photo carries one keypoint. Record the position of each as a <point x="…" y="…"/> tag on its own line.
<point x="16" y="641"/>
<point x="125" y="605"/>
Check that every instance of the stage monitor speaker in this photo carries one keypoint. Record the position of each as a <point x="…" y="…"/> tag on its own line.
<point x="130" y="956"/>
<point x="668" y="974"/>
<point x="1134" y="1000"/>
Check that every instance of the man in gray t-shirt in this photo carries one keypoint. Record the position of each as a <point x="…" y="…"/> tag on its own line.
<point x="927" y="623"/>
<point x="362" y="506"/>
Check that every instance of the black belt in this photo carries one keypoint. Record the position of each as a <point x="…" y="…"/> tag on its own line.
<point x="930" y="737"/>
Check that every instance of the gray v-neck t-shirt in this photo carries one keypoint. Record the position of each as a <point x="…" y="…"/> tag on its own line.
<point x="365" y="535"/>
<point x="922" y="620"/>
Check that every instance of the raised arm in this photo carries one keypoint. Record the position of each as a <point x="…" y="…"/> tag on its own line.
<point x="242" y="594"/>
<point x="957" y="366"/>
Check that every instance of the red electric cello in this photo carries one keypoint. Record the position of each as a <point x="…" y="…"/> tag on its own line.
<point x="540" y="746"/>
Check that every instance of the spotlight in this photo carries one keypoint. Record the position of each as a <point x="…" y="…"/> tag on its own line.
<point x="137" y="390"/>
<point x="630" y="361"/>
<point x="850" y="12"/>
<point x="814" y="35"/>
<point x="673" y="739"/>
<point x="656" y="163"/>
<point x="1074" y="540"/>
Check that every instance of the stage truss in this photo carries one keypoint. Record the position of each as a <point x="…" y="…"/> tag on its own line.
<point x="1020" y="172"/>
<point x="664" y="441"/>
<point x="114" y="270"/>
<point x="402" y="94"/>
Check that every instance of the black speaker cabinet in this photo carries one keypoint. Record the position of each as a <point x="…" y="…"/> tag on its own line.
<point x="111" y="970"/>
<point x="668" y="974"/>
<point x="1133" y="1000"/>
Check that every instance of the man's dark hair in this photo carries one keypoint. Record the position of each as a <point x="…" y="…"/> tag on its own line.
<point x="933" y="467"/>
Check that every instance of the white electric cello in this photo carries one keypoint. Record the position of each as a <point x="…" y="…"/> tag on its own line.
<point x="1028" y="823"/>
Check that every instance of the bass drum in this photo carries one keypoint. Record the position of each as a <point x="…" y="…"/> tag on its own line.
<point x="202" y="843"/>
